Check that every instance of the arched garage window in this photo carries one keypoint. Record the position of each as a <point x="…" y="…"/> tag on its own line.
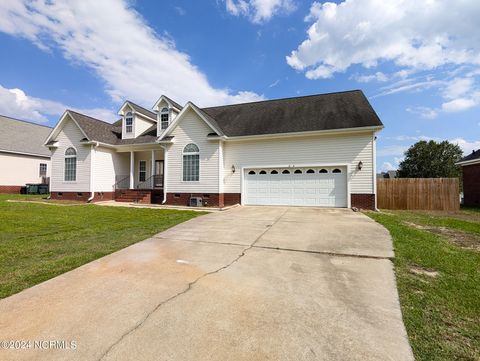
<point x="298" y="171"/>
<point x="323" y="171"/>
<point x="286" y="171"/>
<point x="336" y="170"/>
<point x="191" y="163"/>
<point x="310" y="171"/>
<point x="251" y="172"/>
<point x="274" y="172"/>
<point x="70" y="165"/>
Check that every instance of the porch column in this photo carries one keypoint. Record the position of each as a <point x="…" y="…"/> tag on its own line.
<point x="132" y="169"/>
<point x="152" y="171"/>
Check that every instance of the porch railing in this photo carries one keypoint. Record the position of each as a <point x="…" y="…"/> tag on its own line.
<point x="121" y="182"/>
<point x="152" y="182"/>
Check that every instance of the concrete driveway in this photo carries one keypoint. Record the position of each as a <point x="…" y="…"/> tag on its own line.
<point x="251" y="283"/>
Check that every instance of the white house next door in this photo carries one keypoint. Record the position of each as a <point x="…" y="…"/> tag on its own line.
<point x="315" y="186"/>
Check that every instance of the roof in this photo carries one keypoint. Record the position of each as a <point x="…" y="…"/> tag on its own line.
<point x="20" y="136"/>
<point x="100" y="131"/>
<point x="342" y="110"/>
<point x="475" y="155"/>
<point x="173" y="102"/>
<point x="142" y="110"/>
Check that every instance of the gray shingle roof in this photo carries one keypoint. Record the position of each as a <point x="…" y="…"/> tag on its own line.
<point x="104" y="132"/>
<point x="23" y="137"/>
<point x="342" y="110"/>
<point x="174" y="103"/>
<point x="142" y="110"/>
<point x="331" y="111"/>
<point x="472" y="156"/>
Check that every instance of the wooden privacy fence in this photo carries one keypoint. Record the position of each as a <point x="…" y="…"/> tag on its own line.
<point x="440" y="194"/>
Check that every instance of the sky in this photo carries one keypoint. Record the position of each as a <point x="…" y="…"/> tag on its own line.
<point x="418" y="62"/>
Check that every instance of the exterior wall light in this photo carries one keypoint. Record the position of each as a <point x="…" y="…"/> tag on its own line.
<point x="233" y="168"/>
<point x="360" y="165"/>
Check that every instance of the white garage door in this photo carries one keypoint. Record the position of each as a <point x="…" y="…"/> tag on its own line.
<point x="319" y="187"/>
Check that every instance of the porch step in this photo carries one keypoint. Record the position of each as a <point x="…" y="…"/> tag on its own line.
<point x="132" y="196"/>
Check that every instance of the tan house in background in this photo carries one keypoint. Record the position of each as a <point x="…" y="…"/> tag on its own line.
<point x="23" y="158"/>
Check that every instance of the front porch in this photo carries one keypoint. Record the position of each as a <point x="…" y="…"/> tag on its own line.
<point x="141" y="176"/>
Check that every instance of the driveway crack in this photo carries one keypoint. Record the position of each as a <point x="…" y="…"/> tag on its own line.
<point x="187" y="289"/>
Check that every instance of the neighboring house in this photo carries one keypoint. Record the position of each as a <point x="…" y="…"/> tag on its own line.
<point x="23" y="158"/>
<point x="314" y="150"/>
<point x="471" y="178"/>
<point x="390" y="174"/>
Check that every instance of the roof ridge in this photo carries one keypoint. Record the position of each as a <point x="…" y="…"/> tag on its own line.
<point x="88" y="116"/>
<point x="287" y="98"/>
<point x="25" y="121"/>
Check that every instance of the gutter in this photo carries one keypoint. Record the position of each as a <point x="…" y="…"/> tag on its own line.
<point x="165" y="173"/>
<point x="92" y="173"/>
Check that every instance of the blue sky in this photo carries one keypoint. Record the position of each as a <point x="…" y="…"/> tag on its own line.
<point x="417" y="62"/>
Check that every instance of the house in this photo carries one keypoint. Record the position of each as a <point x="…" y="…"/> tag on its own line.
<point x="471" y="178"/>
<point x="23" y="158"/>
<point x="316" y="150"/>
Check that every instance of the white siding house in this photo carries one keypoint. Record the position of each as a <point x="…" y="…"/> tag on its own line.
<point x="307" y="151"/>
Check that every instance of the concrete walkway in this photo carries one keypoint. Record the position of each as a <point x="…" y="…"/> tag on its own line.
<point x="251" y="283"/>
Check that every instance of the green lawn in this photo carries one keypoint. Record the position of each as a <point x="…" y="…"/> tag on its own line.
<point x="437" y="265"/>
<point x="39" y="241"/>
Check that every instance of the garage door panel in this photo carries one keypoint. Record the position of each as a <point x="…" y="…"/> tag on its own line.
<point x="307" y="187"/>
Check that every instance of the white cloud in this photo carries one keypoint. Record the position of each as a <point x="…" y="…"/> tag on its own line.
<point x="259" y="11"/>
<point x="386" y="166"/>
<point x="458" y="87"/>
<point x="17" y="104"/>
<point x="466" y="146"/>
<point x="424" y="112"/>
<point x="458" y="105"/>
<point x="410" y="33"/>
<point x="113" y="40"/>
<point x="378" y="76"/>
<point x="274" y="84"/>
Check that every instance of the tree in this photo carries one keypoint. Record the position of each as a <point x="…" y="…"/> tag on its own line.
<point x="431" y="160"/>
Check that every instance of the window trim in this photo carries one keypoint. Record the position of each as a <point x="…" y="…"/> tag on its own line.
<point x="139" y="170"/>
<point x="164" y="111"/>
<point x="69" y="156"/>
<point x="40" y="173"/>
<point x="128" y="115"/>
<point x="184" y="154"/>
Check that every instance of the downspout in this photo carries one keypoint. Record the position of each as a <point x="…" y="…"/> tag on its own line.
<point x="165" y="167"/>
<point x="92" y="172"/>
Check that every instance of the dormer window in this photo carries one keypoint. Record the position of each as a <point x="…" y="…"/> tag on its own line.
<point x="164" y="115"/>
<point x="129" y="122"/>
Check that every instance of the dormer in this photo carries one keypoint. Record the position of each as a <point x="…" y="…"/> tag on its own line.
<point x="135" y="120"/>
<point x="166" y="110"/>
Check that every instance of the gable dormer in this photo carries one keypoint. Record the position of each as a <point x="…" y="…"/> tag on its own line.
<point x="135" y="120"/>
<point x="166" y="110"/>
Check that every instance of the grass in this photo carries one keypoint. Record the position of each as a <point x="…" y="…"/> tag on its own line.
<point x="441" y="310"/>
<point x="39" y="241"/>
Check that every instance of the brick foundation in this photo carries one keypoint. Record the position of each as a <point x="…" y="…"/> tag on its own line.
<point x="210" y="199"/>
<point x="363" y="201"/>
<point x="82" y="196"/>
<point x="10" y="189"/>
<point x="471" y="185"/>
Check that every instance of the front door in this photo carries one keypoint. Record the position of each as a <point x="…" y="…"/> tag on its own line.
<point x="158" y="179"/>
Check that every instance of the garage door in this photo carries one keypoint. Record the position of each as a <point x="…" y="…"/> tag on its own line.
<point x="319" y="187"/>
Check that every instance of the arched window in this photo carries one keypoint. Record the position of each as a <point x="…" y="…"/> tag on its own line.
<point x="336" y="170"/>
<point x="164" y="118"/>
<point x="191" y="163"/>
<point x="323" y="170"/>
<point x="70" y="174"/>
<point x="252" y="172"/>
<point x="129" y="122"/>
<point x="286" y="171"/>
<point x="298" y="171"/>
<point x="310" y="171"/>
<point x="262" y="172"/>
<point x="274" y="172"/>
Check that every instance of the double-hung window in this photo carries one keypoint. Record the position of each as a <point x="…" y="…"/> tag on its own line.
<point x="191" y="163"/>
<point x="142" y="171"/>
<point x="164" y="117"/>
<point x="70" y="165"/>
<point x="129" y="122"/>
<point x="43" y="170"/>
